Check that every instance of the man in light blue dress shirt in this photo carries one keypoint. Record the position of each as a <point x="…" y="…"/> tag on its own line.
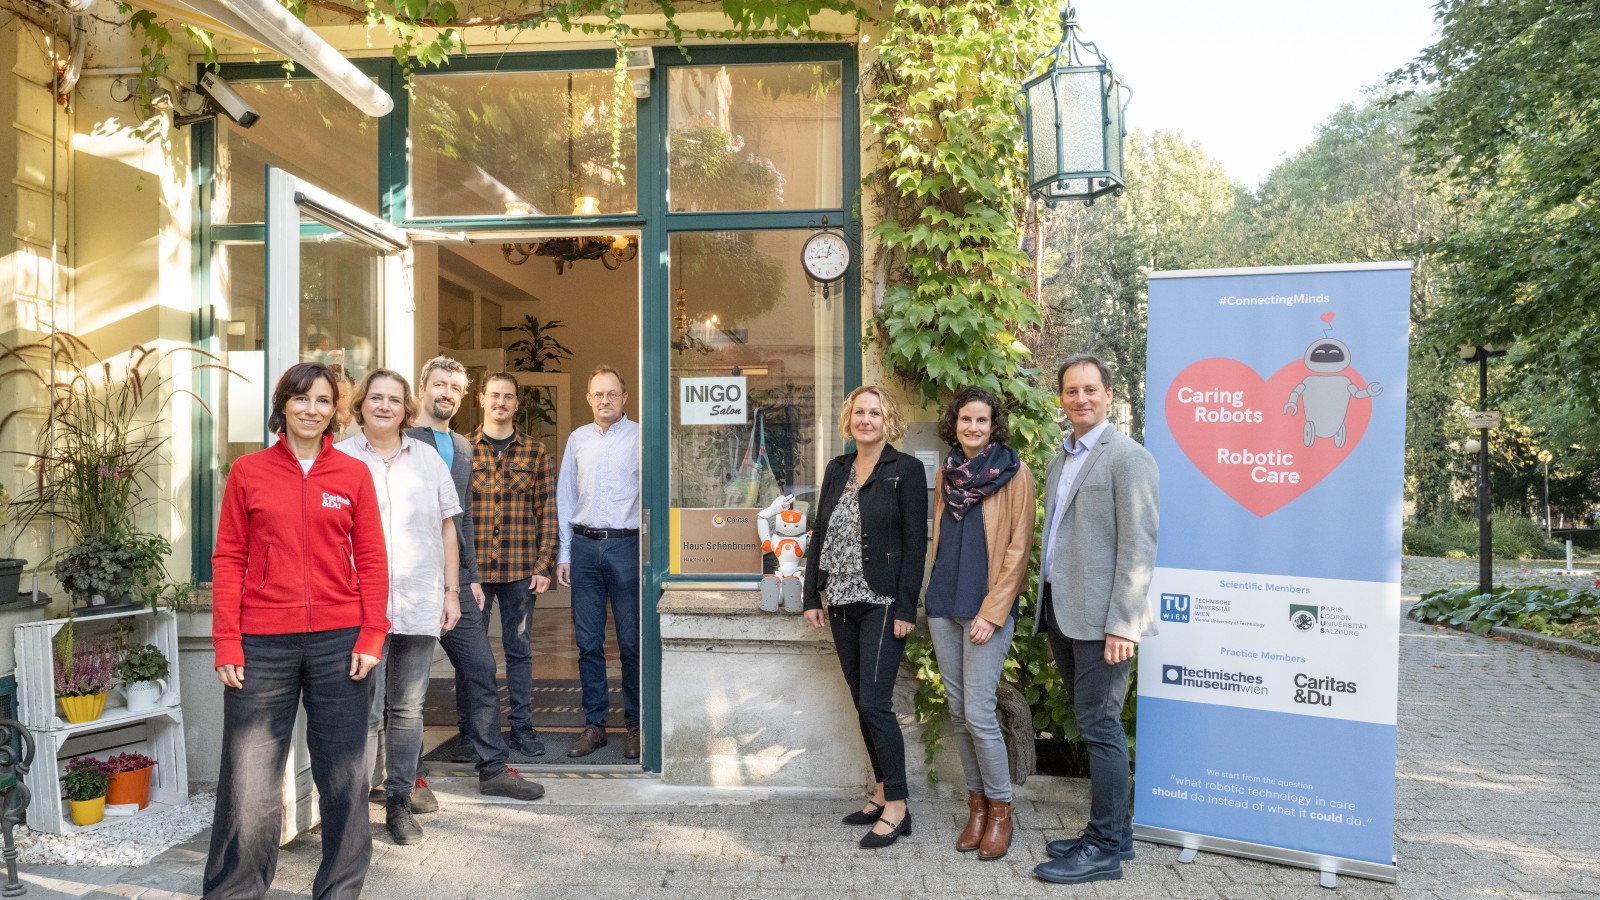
<point x="597" y="507"/>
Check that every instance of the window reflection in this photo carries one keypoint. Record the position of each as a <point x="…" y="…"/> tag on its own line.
<point x="306" y="129"/>
<point x="520" y="144"/>
<point x="755" y="137"/>
<point x="744" y="308"/>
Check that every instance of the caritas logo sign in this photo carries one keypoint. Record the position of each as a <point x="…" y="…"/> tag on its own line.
<point x="712" y="401"/>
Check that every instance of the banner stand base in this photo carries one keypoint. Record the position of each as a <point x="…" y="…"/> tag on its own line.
<point x="1330" y="866"/>
<point x="1188" y="854"/>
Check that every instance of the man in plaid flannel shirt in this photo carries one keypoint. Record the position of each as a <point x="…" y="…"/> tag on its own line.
<point x="513" y="505"/>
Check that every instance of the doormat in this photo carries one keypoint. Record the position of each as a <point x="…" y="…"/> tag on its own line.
<point x="557" y="703"/>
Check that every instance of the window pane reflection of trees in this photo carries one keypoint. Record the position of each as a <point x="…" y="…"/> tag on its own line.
<point x="755" y="137"/>
<point x="520" y="144"/>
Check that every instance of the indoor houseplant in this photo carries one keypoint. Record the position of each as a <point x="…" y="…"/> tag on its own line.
<point x="143" y="672"/>
<point x="83" y="676"/>
<point x="130" y="779"/>
<point x="85" y="784"/>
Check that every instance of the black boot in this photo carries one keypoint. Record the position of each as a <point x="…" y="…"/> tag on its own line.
<point x="402" y="824"/>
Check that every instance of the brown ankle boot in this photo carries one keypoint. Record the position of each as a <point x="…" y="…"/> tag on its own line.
<point x="977" y="821"/>
<point x="997" y="836"/>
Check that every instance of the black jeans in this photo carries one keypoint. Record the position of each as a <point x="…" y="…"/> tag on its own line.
<point x="869" y="654"/>
<point x="1098" y="693"/>
<point x="516" y="601"/>
<point x="477" y="694"/>
<point x="281" y="672"/>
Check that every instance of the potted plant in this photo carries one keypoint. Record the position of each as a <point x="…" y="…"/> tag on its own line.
<point x="10" y="569"/>
<point x="107" y="569"/>
<point x="143" y="673"/>
<point x="130" y="779"/>
<point x="83" y="676"/>
<point x="85" y="784"/>
<point x="97" y="459"/>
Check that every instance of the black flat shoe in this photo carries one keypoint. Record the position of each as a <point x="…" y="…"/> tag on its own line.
<point x="863" y="817"/>
<point x="875" y="841"/>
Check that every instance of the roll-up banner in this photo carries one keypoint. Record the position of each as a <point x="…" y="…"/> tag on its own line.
<point x="1276" y="411"/>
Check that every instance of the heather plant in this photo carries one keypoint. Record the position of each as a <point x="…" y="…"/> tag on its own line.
<point x="86" y="778"/>
<point x="86" y="670"/>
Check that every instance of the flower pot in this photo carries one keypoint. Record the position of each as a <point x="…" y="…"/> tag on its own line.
<point x="130" y="787"/>
<point x="10" y="579"/>
<point x="144" y="696"/>
<point x="88" y="812"/>
<point x="84" y="708"/>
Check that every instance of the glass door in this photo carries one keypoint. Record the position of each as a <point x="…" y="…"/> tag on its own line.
<point x="327" y="286"/>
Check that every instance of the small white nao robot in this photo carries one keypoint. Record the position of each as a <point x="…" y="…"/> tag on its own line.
<point x="783" y="534"/>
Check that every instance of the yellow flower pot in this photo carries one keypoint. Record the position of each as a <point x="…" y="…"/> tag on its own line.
<point x="88" y="812"/>
<point x="85" y="708"/>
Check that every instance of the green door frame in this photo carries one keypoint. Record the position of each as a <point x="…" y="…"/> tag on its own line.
<point x="655" y="224"/>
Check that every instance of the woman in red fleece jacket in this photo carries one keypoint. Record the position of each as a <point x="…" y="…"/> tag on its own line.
<point x="300" y="592"/>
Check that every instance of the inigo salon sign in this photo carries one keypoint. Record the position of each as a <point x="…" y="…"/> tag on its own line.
<point x="712" y="401"/>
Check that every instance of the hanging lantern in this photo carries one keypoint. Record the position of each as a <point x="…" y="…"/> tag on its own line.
<point x="1072" y="116"/>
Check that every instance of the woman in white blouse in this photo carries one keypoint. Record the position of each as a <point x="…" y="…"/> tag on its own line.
<point x="417" y="501"/>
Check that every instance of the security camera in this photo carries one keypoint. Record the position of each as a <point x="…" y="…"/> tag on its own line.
<point x="641" y="85"/>
<point x="228" y="100"/>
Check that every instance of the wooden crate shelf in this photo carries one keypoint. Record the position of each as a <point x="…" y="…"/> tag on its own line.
<point x="157" y="733"/>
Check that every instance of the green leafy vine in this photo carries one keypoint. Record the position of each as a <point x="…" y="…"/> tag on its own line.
<point x="955" y="279"/>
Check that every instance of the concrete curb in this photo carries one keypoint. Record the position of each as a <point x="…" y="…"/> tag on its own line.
<point x="1564" y="646"/>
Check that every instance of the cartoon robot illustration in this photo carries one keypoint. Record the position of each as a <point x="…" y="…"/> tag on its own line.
<point x="784" y="534"/>
<point x="1326" y="393"/>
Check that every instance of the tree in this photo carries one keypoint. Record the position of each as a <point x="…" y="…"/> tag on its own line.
<point x="1098" y="259"/>
<point x="1355" y="194"/>
<point x="1513" y="125"/>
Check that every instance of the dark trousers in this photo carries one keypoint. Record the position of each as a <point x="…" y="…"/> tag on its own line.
<point x="516" y="617"/>
<point x="1098" y="693"/>
<point x="282" y="672"/>
<point x="477" y="694"/>
<point x="606" y="573"/>
<point x="869" y="654"/>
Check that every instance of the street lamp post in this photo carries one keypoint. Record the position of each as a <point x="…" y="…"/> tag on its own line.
<point x="1481" y="356"/>
<point x="1545" y="457"/>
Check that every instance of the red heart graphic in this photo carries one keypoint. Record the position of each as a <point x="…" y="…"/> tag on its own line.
<point x="1233" y="427"/>
<point x="1327" y="317"/>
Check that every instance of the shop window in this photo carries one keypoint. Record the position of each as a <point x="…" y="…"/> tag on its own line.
<point x="307" y="129"/>
<point x="747" y="322"/>
<point x="520" y="144"/>
<point x="755" y="137"/>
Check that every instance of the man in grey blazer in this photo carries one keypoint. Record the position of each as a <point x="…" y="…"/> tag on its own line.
<point x="1099" y="553"/>
<point x="440" y="390"/>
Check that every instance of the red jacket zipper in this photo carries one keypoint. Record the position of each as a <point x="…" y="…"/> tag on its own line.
<point x="305" y="529"/>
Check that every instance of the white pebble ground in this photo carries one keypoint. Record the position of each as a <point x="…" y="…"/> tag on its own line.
<point x="119" y="842"/>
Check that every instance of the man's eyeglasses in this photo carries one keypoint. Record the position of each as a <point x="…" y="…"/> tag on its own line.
<point x="608" y="395"/>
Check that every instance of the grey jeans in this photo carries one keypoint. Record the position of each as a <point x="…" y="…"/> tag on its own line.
<point x="971" y="673"/>
<point x="399" y="685"/>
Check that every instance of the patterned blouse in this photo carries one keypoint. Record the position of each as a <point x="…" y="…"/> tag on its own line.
<point x="841" y="552"/>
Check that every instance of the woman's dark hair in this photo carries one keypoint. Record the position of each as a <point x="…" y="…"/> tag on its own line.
<point x="296" y="381"/>
<point x="999" y="427"/>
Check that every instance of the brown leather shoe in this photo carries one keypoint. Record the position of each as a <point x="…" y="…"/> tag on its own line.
<point x="592" y="739"/>
<point x="977" y="822"/>
<point x="997" y="836"/>
<point x="630" y="744"/>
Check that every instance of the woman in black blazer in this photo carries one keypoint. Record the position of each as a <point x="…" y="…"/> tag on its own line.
<point x="863" y="577"/>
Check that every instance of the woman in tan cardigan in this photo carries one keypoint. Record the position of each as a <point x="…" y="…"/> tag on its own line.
<point x="983" y="516"/>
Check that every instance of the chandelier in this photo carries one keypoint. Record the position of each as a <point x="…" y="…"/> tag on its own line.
<point x="612" y="251"/>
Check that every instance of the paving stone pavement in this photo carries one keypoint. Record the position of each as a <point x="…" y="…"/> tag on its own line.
<point x="1497" y="797"/>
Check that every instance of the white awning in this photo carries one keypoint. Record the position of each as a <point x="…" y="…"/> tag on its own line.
<point x="266" y="24"/>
